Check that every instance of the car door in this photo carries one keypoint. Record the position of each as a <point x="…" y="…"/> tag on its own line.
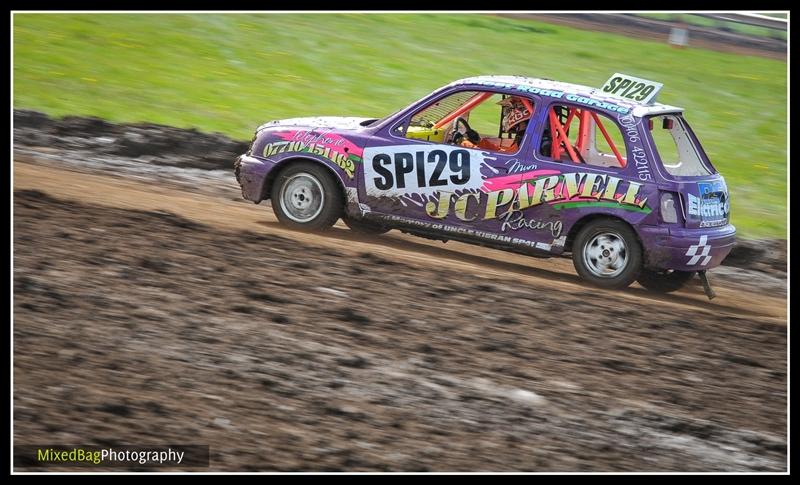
<point x="414" y="173"/>
<point x="581" y="158"/>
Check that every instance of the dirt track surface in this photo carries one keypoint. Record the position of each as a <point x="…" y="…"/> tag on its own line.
<point x="148" y="315"/>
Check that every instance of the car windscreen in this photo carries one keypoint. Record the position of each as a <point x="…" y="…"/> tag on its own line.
<point x="678" y="152"/>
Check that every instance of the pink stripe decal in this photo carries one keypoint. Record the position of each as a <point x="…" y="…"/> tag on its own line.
<point x="514" y="181"/>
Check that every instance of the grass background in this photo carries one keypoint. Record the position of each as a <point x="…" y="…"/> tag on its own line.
<point x="231" y="72"/>
<point x="735" y="27"/>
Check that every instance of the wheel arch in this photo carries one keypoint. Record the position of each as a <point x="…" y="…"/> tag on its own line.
<point x="269" y="180"/>
<point x="583" y="221"/>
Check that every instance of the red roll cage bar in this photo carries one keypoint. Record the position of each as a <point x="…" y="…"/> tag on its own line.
<point x="469" y="105"/>
<point x="559" y="133"/>
<point x="557" y="129"/>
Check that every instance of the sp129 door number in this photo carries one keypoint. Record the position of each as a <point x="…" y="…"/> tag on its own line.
<point x="631" y="87"/>
<point x="420" y="169"/>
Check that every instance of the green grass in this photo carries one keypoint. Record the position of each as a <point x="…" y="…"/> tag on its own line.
<point x="231" y="72"/>
<point x="736" y="27"/>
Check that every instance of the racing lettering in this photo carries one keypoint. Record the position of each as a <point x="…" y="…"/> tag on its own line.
<point x="631" y="87"/>
<point x="645" y="93"/>
<point x="641" y="164"/>
<point x="497" y="199"/>
<point x="624" y="84"/>
<point x="630" y="195"/>
<point x="385" y="181"/>
<point x="595" y="103"/>
<point x="402" y="166"/>
<point x="440" y="210"/>
<point x="462" y="205"/>
<point x="420" y="169"/>
<point x="611" y="87"/>
<point x="572" y="182"/>
<point x="611" y="187"/>
<point x="459" y="162"/>
<point x="636" y="88"/>
<point x="549" y="188"/>
<point x="444" y="169"/>
<point x="439" y="158"/>
<point x="614" y="86"/>
<point x="331" y="148"/>
<point x="593" y="181"/>
<point x="555" y="190"/>
<point x="628" y="122"/>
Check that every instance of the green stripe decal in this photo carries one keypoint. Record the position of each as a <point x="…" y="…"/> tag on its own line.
<point x="612" y="205"/>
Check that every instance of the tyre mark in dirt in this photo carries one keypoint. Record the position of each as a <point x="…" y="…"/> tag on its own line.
<point x="489" y="264"/>
<point x="230" y="337"/>
<point x="457" y="258"/>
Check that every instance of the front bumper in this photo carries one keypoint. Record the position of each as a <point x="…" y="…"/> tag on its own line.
<point x="687" y="249"/>
<point x="251" y="173"/>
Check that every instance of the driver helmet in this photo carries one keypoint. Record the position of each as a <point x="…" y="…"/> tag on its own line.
<point x="514" y="113"/>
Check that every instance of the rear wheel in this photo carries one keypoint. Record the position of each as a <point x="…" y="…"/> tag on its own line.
<point x="364" y="227"/>
<point x="664" y="281"/>
<point x="305" y="196"/>
<point x="607" y="253"/>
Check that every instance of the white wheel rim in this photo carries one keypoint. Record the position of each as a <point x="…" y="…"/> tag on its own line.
<point x="302" y="197"/>
<point x="606" y="255"/>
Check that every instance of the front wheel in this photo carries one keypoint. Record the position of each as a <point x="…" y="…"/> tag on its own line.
<point x="305" y="196"/>
<point x="664" y="281"/>
<point x="607" y="254"/>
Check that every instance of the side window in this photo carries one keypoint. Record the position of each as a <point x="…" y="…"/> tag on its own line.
<point x="582" y="135"/>
<point x="430" y="123"/>
<point x="678" y="154"/>
<point x="473" y="119"/>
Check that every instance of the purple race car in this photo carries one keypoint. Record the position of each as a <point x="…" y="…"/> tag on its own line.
<point x="528" y="165"/>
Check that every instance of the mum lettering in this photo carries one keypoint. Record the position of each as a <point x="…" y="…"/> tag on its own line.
<point x="569" y="187"/>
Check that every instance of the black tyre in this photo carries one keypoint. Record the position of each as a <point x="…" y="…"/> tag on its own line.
<point x="607" y="253"/>
<point x="305" y="196"/>
<point x="364" y="227"/>
<point x="664" y="281"/>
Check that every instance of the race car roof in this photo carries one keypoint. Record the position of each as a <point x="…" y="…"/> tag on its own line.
<point x="638" y="109"/>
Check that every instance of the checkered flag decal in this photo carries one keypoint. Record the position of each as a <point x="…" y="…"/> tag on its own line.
<point x="704" y="250"/>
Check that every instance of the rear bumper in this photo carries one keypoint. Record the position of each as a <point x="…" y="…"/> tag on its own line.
<point x="251" y="173"/>
<point x="687" y="249"/>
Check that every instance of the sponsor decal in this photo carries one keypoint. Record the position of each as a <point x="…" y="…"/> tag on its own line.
<point x="418" y="169"/>
<point x="596" y="103"/>
<point x="630" y="129"/>
<point x="699" y="252"/>
<point x="520" y="192"/>
<point x="515" y="220"/>
<point x="471" y="232"/>
<point x="515" y="166"/>
<point x="713" y="205"/>
<point x="641" y="164"/>
<point x="554" y="93"/>
<point x="330" y="146"/>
